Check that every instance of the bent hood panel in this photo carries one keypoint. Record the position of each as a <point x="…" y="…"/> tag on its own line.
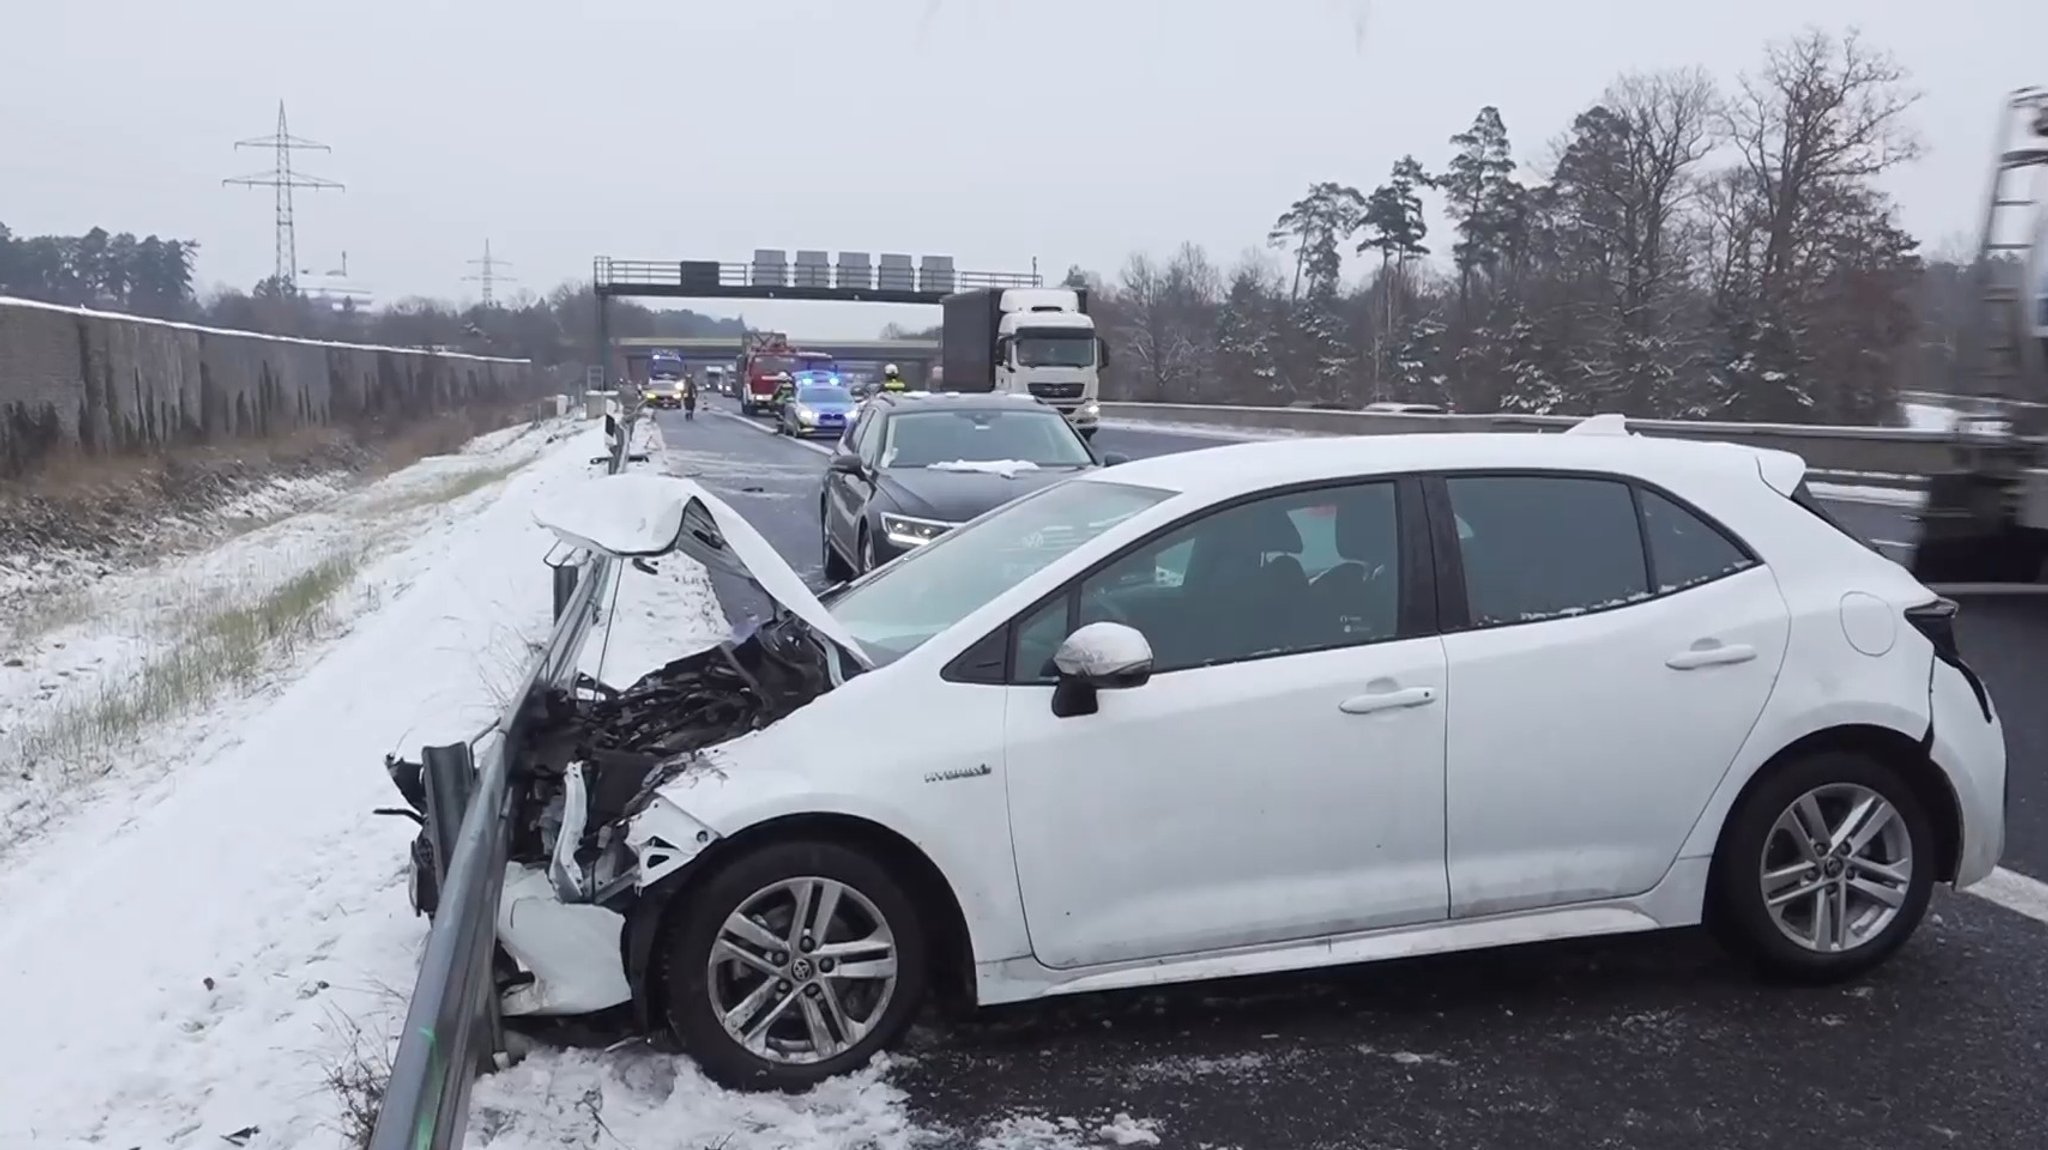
<point x="642" y="515"/>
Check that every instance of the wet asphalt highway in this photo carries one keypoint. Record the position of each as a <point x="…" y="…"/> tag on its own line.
<point x="1654" y="1041"/>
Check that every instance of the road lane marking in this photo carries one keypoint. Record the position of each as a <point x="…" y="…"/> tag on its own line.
<point x="820" y="448"/>
<point x="2015" y="892"/>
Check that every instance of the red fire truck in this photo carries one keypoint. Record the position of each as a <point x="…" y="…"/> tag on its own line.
<point x="768" y="364"/>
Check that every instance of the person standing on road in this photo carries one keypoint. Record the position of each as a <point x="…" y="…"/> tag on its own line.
<point x="892" y="380"/>
<point x="689" y="398"/>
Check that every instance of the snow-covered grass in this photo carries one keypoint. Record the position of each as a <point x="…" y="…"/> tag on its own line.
<point x="87" y="673"/>
<point x="192" y="948"/>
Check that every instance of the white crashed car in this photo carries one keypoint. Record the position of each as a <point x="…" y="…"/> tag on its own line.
<point x="1261" y="707"/>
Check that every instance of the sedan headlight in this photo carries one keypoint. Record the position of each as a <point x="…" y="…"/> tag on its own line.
<point x="806" y="416"/>
<point x="907" y="531"/>
<point x="1091" y="408"/>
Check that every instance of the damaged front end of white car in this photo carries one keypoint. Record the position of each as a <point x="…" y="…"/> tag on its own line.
<point x="589" y="829"/>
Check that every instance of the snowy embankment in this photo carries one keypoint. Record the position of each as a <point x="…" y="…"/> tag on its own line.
<point x="206" y="936"/>
<point x="199" y="909"/>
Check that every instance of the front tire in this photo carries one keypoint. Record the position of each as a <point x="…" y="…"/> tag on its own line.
<point x="867" y="549"/>
<point x="1825" y="869"/>
<point x="797" y="962"/>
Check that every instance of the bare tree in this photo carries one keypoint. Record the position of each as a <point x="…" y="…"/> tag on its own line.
<point x="1823" y="111"/>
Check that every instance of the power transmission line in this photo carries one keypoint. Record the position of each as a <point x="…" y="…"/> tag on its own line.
<point x="488" y="275"/>
<point x="283" y="179"/>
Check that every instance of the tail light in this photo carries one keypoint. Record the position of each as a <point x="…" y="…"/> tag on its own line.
<point x="1937" y="621"/>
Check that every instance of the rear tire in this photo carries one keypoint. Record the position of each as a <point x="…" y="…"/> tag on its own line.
<point x="719" y="958"/>
<point x="1850" y="855"/>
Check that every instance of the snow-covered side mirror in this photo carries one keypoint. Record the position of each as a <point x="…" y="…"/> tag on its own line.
<point x="624" y="515"/>
<point x="1099" y="657"/>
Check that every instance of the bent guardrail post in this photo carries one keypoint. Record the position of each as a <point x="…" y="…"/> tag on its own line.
<point x="564" y="587"/>
<point x="453" y="1030"/>
<point x="448" y="775"/>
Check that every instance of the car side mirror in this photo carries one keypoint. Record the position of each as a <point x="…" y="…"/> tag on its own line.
<point x="1102" y="351"/>
<point x="1112" y="458"/>
<point x="845" y="463"/>
<point x="1099" y="657"/>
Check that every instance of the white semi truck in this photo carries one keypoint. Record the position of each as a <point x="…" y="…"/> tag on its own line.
<point x="1986" y="519"/>
<point x="1027" y="341"/>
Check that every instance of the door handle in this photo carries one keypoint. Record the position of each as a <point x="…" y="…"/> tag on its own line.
<point x="1710" y="653"/>
<point x="1387" y="700"/>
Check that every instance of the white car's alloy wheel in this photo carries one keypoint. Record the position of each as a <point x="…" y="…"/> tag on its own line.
<point x="790" y="963"/>
<point x="802" y="970"/>
<point x="1825" y="867"/>
<point x="1837" y="866"/>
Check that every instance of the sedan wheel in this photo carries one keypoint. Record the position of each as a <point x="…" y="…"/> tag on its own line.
<point x="1826" y="867"/>
<point x="795" y="963"/>
<point x="867" y="550"/>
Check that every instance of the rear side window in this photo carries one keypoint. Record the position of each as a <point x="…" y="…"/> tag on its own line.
<point x="1804" y="497"/>
<point x="1542" y="546"/>
<point x="1686" y="550"/>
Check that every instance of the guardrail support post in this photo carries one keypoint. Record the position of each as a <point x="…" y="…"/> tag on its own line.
<point x="449" y="775"/>
<point x="564" y="587"/>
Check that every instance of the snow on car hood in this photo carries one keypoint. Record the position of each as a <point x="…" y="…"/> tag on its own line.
<point x="641" y="515"/>
<point x="1007" y="468"/>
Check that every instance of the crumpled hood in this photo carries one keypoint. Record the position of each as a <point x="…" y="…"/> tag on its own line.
<point x="641" y="515"/>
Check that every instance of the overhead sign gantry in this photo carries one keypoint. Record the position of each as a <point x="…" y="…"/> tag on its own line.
<point x="813" y="276"/>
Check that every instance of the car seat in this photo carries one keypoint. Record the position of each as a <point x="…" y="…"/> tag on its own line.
<point x="1360" y="597"/>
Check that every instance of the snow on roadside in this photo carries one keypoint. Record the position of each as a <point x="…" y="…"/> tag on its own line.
<point x="1928" y="416"/>
<point x="96" y="646"/>
<point x="181" y="959"/>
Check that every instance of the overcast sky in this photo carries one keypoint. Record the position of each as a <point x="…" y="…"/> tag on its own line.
<point x="996" y="131"/>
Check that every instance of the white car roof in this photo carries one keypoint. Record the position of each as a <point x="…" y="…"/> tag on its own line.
<point x="1216" y="472"/>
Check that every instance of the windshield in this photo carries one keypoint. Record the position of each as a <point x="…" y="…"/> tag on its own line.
<point x="1029" y="434"/>
<point x="1055" y="349"/>
<point x="772" y="365"/>
<point x="817" y="363"/>
<point x="906" y="602"/>
<point x="825" y="393"/>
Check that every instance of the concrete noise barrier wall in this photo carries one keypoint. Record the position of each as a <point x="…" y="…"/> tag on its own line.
<point x="73" y="380"/>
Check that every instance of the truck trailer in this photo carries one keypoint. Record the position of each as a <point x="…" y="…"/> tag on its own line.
<point x="1027" y="341"/>
<point x="1986" y="519"/>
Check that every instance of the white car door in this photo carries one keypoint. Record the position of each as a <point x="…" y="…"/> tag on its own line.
<point x="1279" y="777"/>
<point x="1595" y="704"/>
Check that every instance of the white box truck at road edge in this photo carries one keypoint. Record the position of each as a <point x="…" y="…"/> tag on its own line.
<point x="1027" y="341"/>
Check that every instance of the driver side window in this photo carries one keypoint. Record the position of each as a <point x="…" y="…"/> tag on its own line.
<point x="867" y="437"/>
<point x="1292" y="573"/>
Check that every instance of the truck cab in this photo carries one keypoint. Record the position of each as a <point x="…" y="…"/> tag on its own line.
<point x="1051" y="355"/>
<point x="1039" y="342"/>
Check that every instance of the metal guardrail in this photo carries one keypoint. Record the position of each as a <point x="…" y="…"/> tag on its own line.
<point x="1876" y="456"/>
<point x="452" y="1029"/>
